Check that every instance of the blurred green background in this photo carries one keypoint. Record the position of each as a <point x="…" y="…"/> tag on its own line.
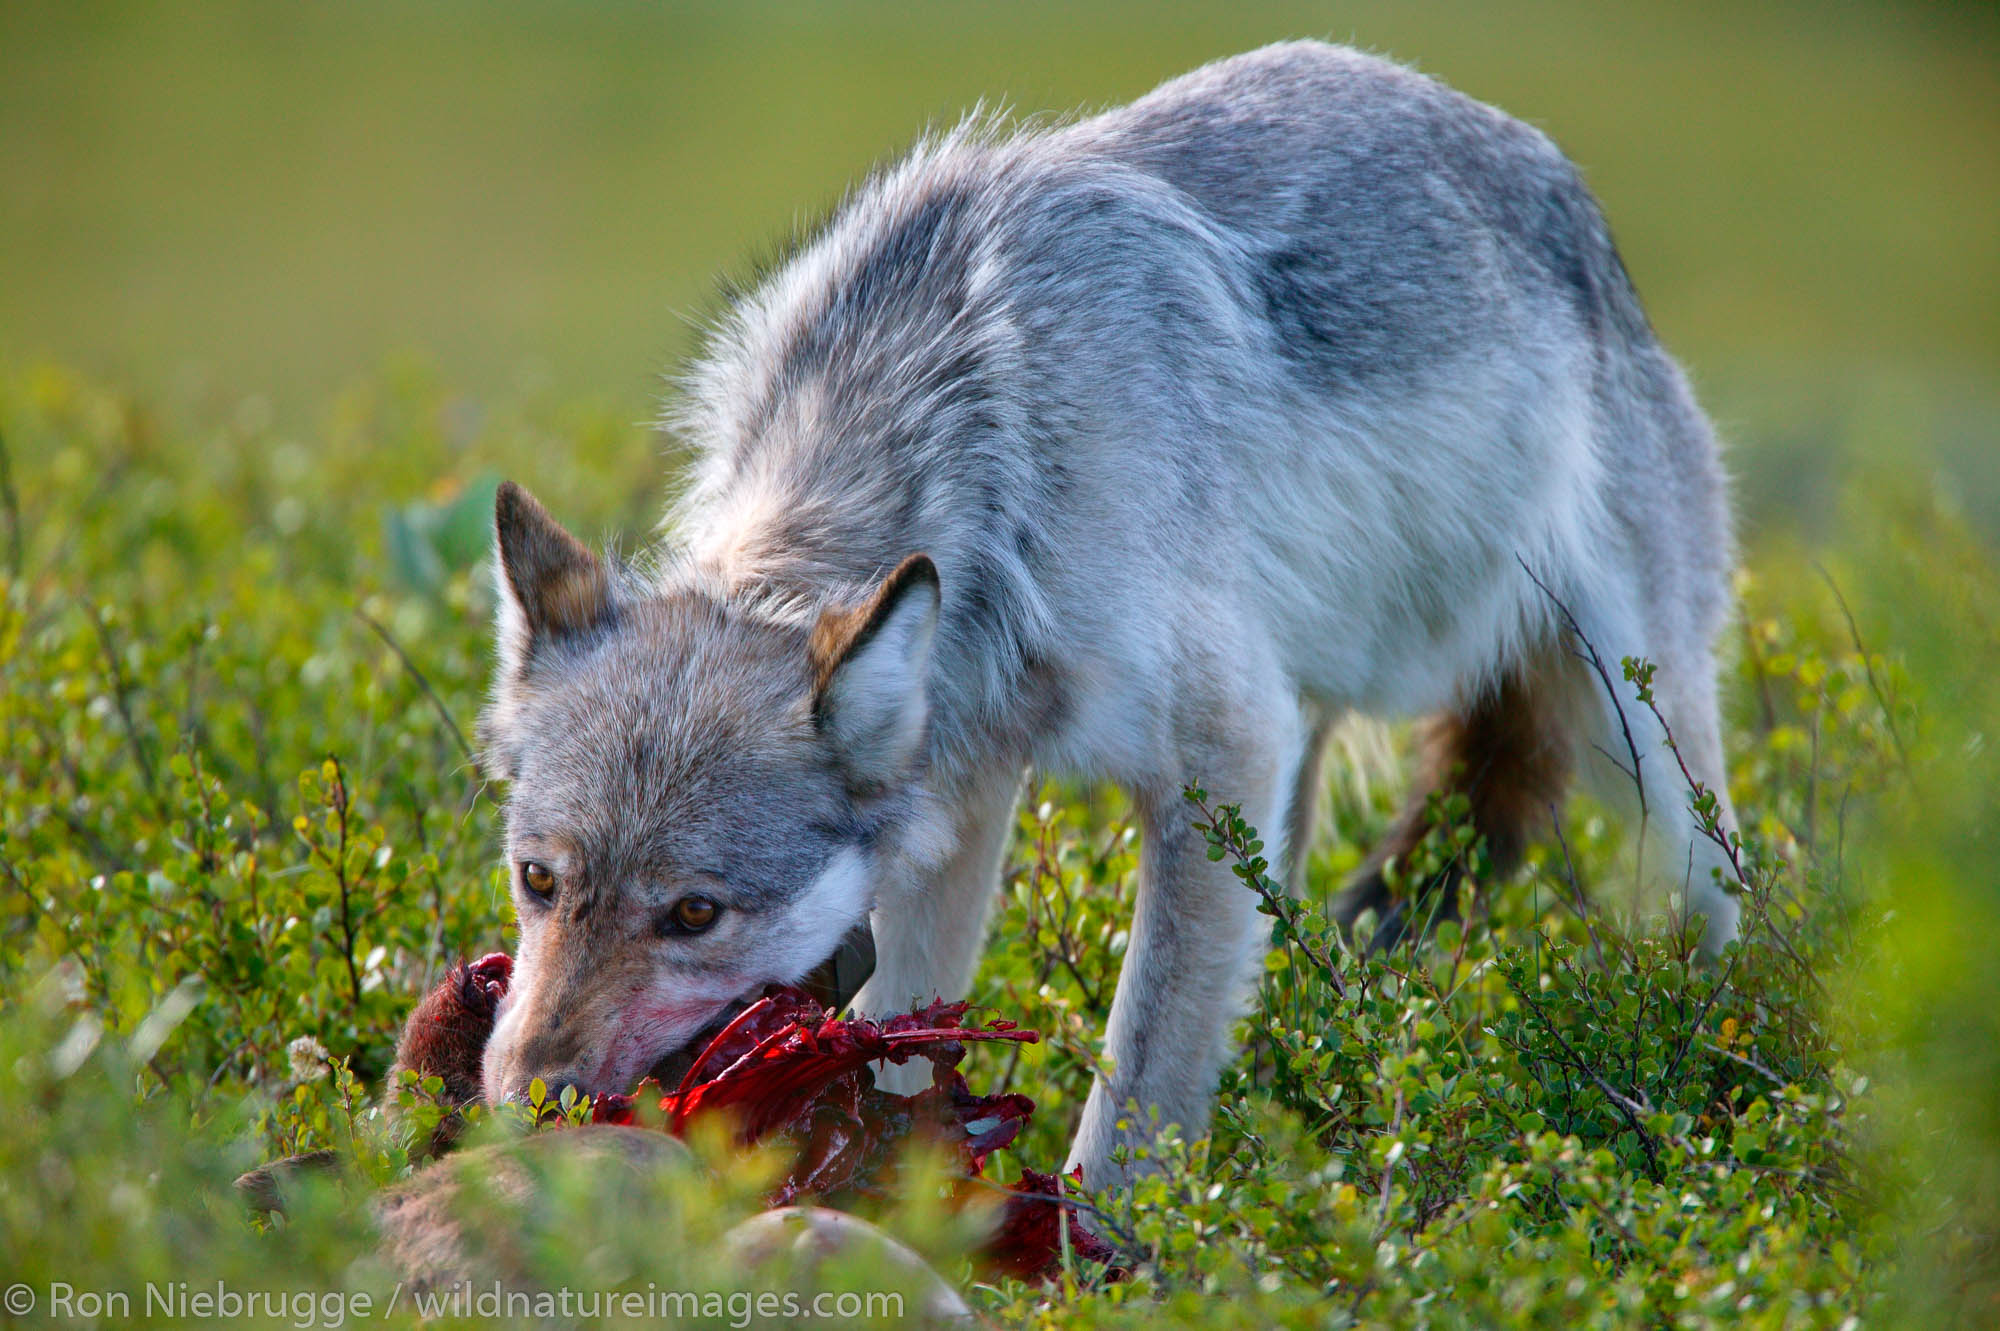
<point x="204" y="202"/>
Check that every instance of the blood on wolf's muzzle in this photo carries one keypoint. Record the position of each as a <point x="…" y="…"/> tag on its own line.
<point x="832" y="984"/>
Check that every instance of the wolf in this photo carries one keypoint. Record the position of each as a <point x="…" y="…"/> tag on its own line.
<point x="1141" y="447"/>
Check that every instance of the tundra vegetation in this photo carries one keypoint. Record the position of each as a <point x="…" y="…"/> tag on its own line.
<point x="241" y="831"/>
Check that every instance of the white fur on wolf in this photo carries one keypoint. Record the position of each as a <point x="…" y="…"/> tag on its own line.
<point x="1218" y="415"/>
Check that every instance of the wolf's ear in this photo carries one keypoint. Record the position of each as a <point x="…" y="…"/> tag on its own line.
<point x="870" y="665"/>
<point x="549" y="583"/>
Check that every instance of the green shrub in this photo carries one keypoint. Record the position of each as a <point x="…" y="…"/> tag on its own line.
<point x="240" y="832"/>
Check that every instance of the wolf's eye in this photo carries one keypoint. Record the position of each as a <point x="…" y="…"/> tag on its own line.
<point x="691" y="915"/>
<point x="538" y="879"/>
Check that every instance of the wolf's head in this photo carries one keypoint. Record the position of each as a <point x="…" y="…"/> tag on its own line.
<point x="695" y="795"/>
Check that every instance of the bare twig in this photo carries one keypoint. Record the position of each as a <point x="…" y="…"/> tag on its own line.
<point x="222" y="1065"/>
<point x="1389" y="1169"/>
<point x="1811" y="841"/>
<point x="1708" y="1006"/>
<point x="1581" y="904"/>
<point x="121" y="698"/>
<point x="10" y="504"/>
<point x="1767" y="709"/>
<point x="1589" y="655"/>
<point x="1750" y="1063"/>
<point x="444" y="713"/>
<point x="1868" y="666"/>
<point x="1121" y="1238"/>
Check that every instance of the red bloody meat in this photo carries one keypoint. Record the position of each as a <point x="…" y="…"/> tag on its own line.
<point x="446" y="1036"/>
<point x="786" y="1068"/>
<point x="1029" y="1240"/>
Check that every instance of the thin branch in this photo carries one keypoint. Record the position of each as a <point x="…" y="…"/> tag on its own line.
<point x="1582" y="904"/>
<point x="1867" y="665"/>
<point x="1121" y="1238"/>
<point x="121" y="698"/>
<point x="215" y="1077"/>
<point x="1389" y="1170"/>
<point x="1590" y="656"/>
<point x="444" y="713"/>
<point x="1711" y="828"/>
<point x="1708" y="1006"/>
<point x="1767" y="709"/>
<point x="1750" y="1063"/>
<point x="1223" y="833"/>
<point x="10" y="504"/>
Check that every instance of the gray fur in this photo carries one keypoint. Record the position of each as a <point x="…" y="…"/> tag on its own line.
<point x="1219" y="414"/>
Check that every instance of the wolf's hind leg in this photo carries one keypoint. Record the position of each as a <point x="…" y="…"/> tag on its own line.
<point x="1510" y="752"/>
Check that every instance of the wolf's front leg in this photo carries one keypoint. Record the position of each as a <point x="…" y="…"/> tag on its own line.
<point x="929" y="925"/>
<point x="1196" y="939"/>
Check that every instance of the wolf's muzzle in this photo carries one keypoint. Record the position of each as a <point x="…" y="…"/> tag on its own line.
<point x="833" y="984"/>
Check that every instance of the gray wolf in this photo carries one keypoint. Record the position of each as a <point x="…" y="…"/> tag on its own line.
<point x="1140" y="447"/>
